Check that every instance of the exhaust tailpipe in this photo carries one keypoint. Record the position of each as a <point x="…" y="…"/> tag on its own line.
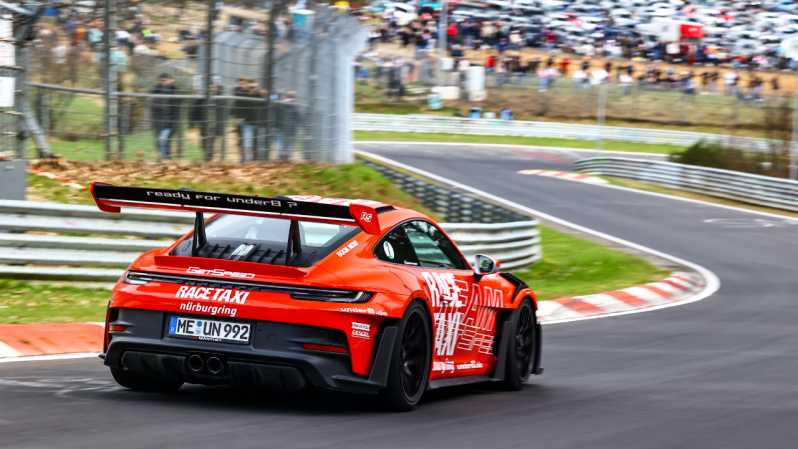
<point x="214" y="365"/>
<point x="195" y="363"/>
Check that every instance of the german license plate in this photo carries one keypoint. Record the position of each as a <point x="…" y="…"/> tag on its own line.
<point x="209" y="330"/>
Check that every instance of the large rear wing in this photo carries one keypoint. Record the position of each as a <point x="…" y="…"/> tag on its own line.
<point x="363" y="213"/>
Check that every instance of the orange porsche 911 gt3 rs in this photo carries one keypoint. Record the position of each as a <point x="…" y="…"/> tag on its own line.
<point x="298" y="291"/>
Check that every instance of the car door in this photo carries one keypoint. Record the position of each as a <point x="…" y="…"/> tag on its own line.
<point x="464" y="311"/>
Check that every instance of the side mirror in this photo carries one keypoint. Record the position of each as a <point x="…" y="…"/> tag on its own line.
<point x="485" y="265"/>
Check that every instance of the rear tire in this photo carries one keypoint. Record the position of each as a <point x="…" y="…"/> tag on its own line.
<point x="137" y="382"/>
<point x="410" y="362"/>
<point x="521" y="350"/>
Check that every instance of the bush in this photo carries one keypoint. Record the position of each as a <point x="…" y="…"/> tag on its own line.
<point x="774" y="162"/>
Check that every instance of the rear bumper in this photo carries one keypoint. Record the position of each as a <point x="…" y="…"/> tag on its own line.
<point x="274" y="358"/>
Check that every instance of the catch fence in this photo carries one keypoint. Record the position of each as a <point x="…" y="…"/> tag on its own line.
<point x="250" y="83"/>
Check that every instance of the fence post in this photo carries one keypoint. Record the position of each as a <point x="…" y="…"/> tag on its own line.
<point x="122" y="119"/>
<point x="794" y="140"/>
<point x="180" y="134"/>
<point x="311" y="132"/>
<point x="268" y="75"/>
<point x="210" y="110"/>
<point x="224" y="118"/>
<point x="110" y="110"/>
<point x="20" y="97"/>
<point x="601" y="114"/>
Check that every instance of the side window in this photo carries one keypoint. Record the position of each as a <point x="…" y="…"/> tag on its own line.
<point x="432" y="247"/>
<point x="396" y="248"/>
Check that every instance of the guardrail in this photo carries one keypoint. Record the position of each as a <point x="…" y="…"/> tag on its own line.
<point x="80" y="243"/>
<point x="754" y="189"/>
<point x="460" y="125"/>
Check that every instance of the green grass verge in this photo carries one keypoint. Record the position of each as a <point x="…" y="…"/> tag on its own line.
<point x="610" y="145"/>
<point x="338" y="181"/>
<point x="138" y="147"/>
<point x="26" y="302"/>
<point x="573" y="266"/>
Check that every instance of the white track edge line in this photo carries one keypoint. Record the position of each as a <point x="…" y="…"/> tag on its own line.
<point x="607" y="185"/>
<point x="695" y="201"/>
<point x="712" y="283"/>
<point x="50" y="357"/>
<point x="8" y="351"/>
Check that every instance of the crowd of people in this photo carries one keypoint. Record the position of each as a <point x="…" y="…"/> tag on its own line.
<point x="744" y="36"/>
<point x="745" y="85"/>
<point x="499" y="49"/>
<point x="244" y="113"/>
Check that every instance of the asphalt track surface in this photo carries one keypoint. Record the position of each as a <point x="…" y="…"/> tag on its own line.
<point x="719" y="373"/>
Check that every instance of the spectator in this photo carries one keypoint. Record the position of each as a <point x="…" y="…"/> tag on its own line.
<point x="730" y="80"/>
<point x="626" y="81"/>
<point x="209" y="120"/>
<point x="287" y="120"/>
<point x="246" y="110"/>
<point x="688" y="83"/>
<point x="599" y="76"/>
<point x="580" y="78"/>
<point x="165" y="114"/>
<point x="775" y="85"/>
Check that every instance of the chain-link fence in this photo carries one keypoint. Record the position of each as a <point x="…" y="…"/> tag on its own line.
<point x="701" y="99"/>
<point x="254" y="82"/>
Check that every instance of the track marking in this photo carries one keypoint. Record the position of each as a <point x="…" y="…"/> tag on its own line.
<point x="45" y="358"/>
<point x="712" y="283"/>
<point x="8" y="351"/>
<point x="565" y="175"/>
<point x="609" y="186"/>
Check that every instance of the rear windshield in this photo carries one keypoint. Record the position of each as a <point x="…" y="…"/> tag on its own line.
<point x="265" y="240"/>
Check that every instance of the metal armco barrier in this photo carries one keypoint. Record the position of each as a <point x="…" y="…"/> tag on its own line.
<point x="459" y="125"/>
<point x="12" y="180"/>
<point x="755" y="189"/>
<point x="99" y="246"/>
<point x="449" y="204"/>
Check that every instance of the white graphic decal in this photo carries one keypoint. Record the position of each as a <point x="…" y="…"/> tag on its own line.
<point x="345" y="250"/>
<point x="212" y="294"/>
<point x="218" y="272"/>
<point x="470" y="365"/>
<point x="464" y="313"/>
<point x="242" y="250"/>
<point x="365" y="310"/>
<point x="443" y="366"/>
<point x="198" y="307"/>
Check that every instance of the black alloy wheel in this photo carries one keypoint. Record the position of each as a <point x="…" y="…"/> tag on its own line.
<point x="411" y="360"/>
<point x="521" y="350"/>
<point x="414" y="355"/>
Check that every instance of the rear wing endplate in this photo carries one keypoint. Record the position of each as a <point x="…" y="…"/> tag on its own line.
<point x="110" y="198"/>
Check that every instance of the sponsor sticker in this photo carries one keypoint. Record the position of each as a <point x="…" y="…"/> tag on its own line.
<point x="364" y="310"/>
<point x="470" y="365"/>
<point x="361" y="330"/>
<point x="443" y="366"/>
<point x="345" y="250"/>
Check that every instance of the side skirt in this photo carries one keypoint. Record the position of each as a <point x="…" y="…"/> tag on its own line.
<point x="455" y="381"/>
